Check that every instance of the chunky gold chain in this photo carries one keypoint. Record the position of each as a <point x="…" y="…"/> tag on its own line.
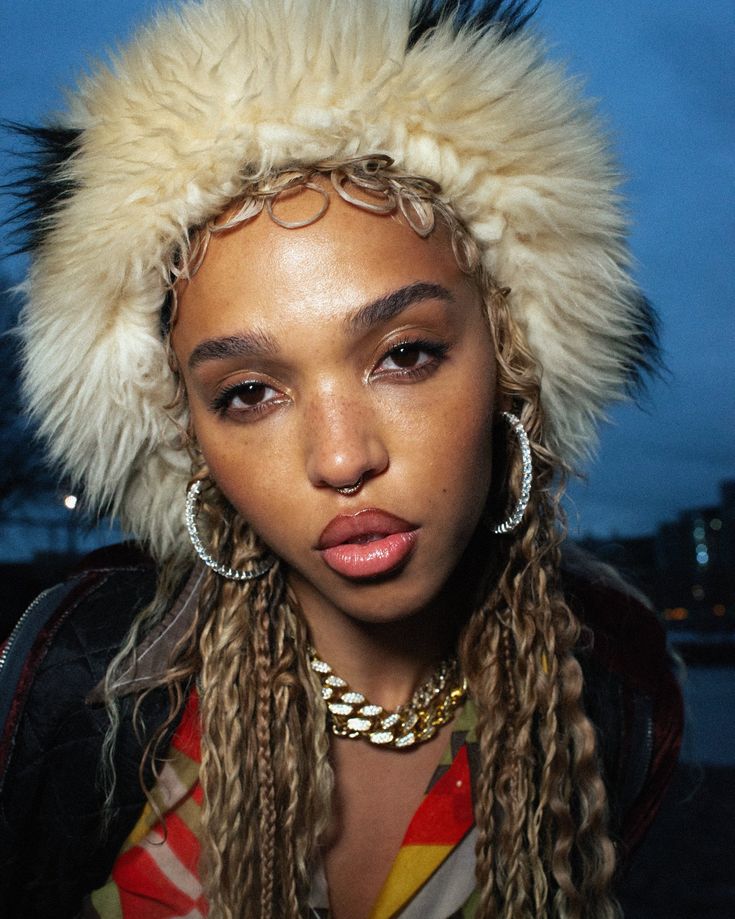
<point x="352" y="715"/>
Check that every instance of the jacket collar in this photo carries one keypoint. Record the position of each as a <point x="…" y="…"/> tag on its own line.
<point x="148" y="662"/>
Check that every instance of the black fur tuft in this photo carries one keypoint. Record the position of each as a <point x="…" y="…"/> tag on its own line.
<point x="649" y="362"/>
<point x="511" y="15"/>
<point x="41" y="185"/>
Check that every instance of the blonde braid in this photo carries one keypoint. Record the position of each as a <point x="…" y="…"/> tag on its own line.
<point x="265" y="771"/>
<point x="266" y="789"/>
<point x="295" y="692"/>
<point x="516" y="797"/>
<point x="541" y="806"/>
<point x="283" y="746"/>
<point x="480" y="651"/>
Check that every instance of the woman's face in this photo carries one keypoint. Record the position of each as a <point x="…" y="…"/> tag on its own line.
<point x="348" y="348"/>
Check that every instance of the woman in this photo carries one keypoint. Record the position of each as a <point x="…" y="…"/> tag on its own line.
<point x="340" y="289"/>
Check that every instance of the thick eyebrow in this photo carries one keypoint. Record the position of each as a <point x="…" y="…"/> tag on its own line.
<point x="389" y="306"/>
<point x="243" y="344"/>
<point x="259" y="344"/>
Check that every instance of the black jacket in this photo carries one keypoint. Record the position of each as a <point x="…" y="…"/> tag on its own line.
<point x="52" y="851"/>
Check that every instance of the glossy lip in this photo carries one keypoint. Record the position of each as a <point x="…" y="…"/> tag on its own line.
<point x="367" y="544"/>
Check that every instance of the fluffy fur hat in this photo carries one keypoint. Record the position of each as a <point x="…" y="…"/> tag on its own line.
<point x="160" y="142"/>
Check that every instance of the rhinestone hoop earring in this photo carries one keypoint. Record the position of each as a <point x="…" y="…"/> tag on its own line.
<point x="511" y="522"/>
<point x="232" y="574"/>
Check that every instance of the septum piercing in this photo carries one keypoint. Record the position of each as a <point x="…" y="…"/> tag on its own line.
<point x="351" y="489"/>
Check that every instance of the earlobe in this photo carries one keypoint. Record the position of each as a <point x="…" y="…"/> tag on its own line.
<point x="503" y="403"/>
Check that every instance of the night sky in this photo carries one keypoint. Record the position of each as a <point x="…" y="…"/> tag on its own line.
<point x="663" y="72"/>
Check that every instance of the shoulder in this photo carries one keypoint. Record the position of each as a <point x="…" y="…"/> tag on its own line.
<point x="63" y="642"/>
<point x="91" y="622"/>
<point x="632" y="692"/>
<point x="627" y="637"/>
<point x="50" y="801"/>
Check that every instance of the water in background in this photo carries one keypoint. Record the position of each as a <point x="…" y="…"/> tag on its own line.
<point x="709" y="697"/>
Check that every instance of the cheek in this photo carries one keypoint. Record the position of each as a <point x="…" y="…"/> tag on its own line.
<point x="261" y="494"/>
<point x="467" y="462"/>
<point x="451" y="452"/>
<point x="237" y="464"/>
<point x="470" y="469"/>
<point x="261" y="478"/>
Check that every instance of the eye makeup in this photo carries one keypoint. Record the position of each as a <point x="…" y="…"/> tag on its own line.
<point x="248" y="392"/>
<point x="405" y="356"/>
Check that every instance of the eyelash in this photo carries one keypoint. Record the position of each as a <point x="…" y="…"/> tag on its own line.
<point x="437" y="352"/>
<point x="221" y="403"/>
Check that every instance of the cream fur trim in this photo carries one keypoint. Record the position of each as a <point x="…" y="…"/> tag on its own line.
<point x="225" y="83"/>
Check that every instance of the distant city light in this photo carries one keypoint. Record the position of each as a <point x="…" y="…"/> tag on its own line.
<point x="719" y="609"/>
<point x="703" y="557"/>
<point x="716" y="523"/>
<point x="677" y="614"/>
<point x="70" y="502"/>
<point x="698" y="533"/>
<point x="698" y="592"/>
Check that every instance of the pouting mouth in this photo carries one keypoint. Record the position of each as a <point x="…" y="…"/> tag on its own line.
<point x="366" y="526"/>
<point x="374" y="559"/>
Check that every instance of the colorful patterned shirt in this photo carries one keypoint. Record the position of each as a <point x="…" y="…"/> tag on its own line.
<point x="155" y="876"/>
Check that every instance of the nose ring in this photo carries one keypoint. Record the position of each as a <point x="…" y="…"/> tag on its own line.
<point x="351" y="489"/>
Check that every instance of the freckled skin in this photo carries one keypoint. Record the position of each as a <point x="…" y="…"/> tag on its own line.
<point x="423" y="445"/>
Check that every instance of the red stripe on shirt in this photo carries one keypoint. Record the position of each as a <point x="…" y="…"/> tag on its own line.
<point x="446" y="813"/>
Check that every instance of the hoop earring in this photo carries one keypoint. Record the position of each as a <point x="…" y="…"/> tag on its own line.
<point x="192" y="507"/>
<point x="512" y="521"/>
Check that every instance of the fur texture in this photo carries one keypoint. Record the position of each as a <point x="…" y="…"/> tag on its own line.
<point x="223" y="88"/>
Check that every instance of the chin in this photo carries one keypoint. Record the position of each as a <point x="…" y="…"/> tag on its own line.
<point x="387" y="599"/>
<point x="380" y="614"/>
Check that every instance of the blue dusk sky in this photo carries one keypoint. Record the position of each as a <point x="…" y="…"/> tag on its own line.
<point x="663" y="72"/>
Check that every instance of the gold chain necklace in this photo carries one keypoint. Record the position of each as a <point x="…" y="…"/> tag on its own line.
<point x="432" y="705"/>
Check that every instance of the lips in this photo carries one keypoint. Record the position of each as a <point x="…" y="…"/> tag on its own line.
<point x="367" y="544"/>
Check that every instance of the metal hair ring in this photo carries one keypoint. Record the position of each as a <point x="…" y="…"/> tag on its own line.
<point x="351" y="489"/>
<point x="232" y="574"/>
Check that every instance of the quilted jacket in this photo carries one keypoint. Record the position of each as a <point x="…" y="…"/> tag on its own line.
<point x="52" y="848"/>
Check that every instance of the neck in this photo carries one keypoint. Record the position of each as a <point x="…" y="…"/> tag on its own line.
<point x="386" y="660"/>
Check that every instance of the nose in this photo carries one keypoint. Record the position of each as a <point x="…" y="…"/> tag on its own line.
<point x="344" y="441"/>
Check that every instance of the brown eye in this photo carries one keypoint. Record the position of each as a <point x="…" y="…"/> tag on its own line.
<point x="405" y="356"/>
<point x="246" y="400"/>
<point x="249" y="393"/>
<point x="409" y="360"/>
